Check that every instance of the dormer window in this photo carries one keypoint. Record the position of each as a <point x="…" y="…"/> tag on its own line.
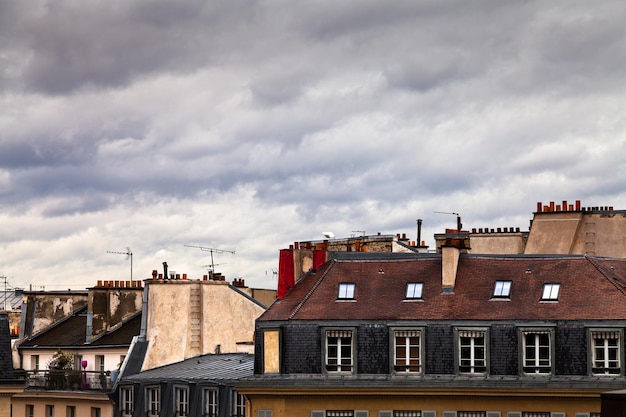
<point x="346" y="291"/>
<point x="550" y="292"/>
<point x="414" y="290"/>
<point x="502" y="289"/>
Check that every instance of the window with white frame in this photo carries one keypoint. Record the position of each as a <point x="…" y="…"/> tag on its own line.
<point x="127" y="401"/>
<point x="181" y="401"/>
<point x="414" y="290"/>
<point x="339" y="413"/>
<point x="536" y="414"/>
<point x="99" y="363"/>
<point x="339" y="351"/>
<point x="346" y="291"/>
<point x="471" y="414"/>
<point x="239" y="405"/>
<point x="407" y="351"/>
<point x="209" y="402"/>
<point x="502" y="289"/>
<point x="472" y="351"/>
<point x="606" y="352"/>
<point x="407" y="413"/>
<point x="550" y="292"/>
<point x="34" y="363"/>
<point x="153" y="401"/>
<point x="537" y="358"/>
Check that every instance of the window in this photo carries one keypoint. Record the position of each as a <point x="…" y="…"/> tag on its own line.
<point x="471" y="414"/>
<point x="339" y="351"/>
<point x="127" y="401"/>
<point x="414" y="290"/>
<point x="34" y="362"/>
<point x="153" y="401"/>
<point x="472" y="351"/>
<point x="181" y="401"/>
<point x="407" y="351"/>
<point x="30" y="410"/>
<point x="502" y="289"/>
<point x="550" y="292"/>
<point x="346" y="291"/>
<point x="70" y="411"/>
<point x="99" y="363"/>
<point x="407" y="413"/>
<point x="535" y="414"/>
<point x="209" y="403"/>
<point x="49" y="411"/>
<point x="606" y="353"/>
<point x="537" y="352"/>
<point x="264" y="413"/>
<point x="96" y="412"/>
<point x="339" y="413"/>
<point x="239" y="405"/>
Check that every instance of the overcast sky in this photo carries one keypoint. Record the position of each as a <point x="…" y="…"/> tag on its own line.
<point x="247" y="125"/>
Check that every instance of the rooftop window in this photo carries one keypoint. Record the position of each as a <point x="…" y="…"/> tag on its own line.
<point x="502" y="289"/>
<point x="414" y="290"/>
<point x="346" y="291"/>
<point x="550" y="292"/>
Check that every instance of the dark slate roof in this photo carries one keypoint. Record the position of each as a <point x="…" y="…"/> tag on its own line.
<point x="218" y="368"/>
<point x="72" y="332"/>
<point x="591" y="288"/>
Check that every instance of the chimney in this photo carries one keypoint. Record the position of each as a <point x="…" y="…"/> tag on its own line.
<point x="419" y="230"/>
<point x="450" y="254"/>
<point x="165" y="270"/>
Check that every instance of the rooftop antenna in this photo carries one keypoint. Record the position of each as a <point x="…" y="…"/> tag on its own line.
<point x="362" y="232"/>
<point x="129" y="254"/>
<point x="212" y="250"/>
<point x="459" y="225"/>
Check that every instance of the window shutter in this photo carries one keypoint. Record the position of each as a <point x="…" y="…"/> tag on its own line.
<point x="493" y="414"/>
<point x="557" y="414"/>
<point x="449" y="414"/>
<point x="318" y="413"/>
<point x="581" y="415"/>
<point x="361" y="413"/>
<point x="385" y="413"/>
<point x="514" y="414"/>
<point x="430" y="413"/>
<point x="265" y="413"/>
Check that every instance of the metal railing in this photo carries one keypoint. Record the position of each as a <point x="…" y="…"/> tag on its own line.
<point x="71" y="380"/>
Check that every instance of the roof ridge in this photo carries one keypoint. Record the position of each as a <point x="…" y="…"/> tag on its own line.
<point x="310" y="293"/>
<point x="594" y="261"/>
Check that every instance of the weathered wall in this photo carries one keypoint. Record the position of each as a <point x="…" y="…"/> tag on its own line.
<point x="187" y="318"/>
<point x="501" y="243"/>
<point x="46" y="308"/>
<point x="602" y="234"/>
<point x="553" y="233"/>
<point x="111" y="305"/>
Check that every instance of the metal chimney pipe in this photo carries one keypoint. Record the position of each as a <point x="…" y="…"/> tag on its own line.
<point x="165" y="270"/>
<point x="419" y="231"/>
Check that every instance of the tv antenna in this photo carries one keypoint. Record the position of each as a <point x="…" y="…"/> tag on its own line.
<point x="129" y="254"/>
<point x="459" y="225"/>
<point x="212" y="251"/>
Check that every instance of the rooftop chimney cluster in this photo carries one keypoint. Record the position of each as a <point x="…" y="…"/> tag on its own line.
<point x="239" y="282"/>
<point x="564" y="206"/>
<point x="496" y="230"/>
<point x="119" y="284"/>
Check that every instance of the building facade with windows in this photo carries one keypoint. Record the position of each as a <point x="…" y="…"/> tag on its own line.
<point x="201" y="386"/>
<point x="443" y="335"/>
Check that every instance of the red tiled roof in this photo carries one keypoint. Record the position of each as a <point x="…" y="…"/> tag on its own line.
<point x="591" y="289"/>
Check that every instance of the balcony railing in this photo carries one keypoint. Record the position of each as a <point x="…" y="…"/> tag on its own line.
<point x="69" y="380"/>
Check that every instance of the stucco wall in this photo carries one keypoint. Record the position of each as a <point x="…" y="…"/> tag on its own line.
<point x="188" y="318"/>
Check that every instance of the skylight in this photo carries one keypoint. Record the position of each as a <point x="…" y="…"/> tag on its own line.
<point x="502" y="289"/>
<point x="346" y="291"/>
<point x="414" y="290"/>
<point x="550" y="292"/>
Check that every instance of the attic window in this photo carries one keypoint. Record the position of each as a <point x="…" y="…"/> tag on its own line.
<point x="414" y="290"/>
<point x="346" y="291"/>
<point x="502" y="289"/>
<point x="550" y="292"/>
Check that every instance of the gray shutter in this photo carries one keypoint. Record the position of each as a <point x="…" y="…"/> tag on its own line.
<point x="361" y="413"/>
<point x="581" y="415"/>
<point x="265" y="413"/>
<point x="449" y="414"/>
<point x="493" y="414"/>
<point x="430" y="414"/>
<point x="514" y="414"/>
<point x="389" y="413"/>
<point x="318" y="413"/>
<point x="557" y="414"/>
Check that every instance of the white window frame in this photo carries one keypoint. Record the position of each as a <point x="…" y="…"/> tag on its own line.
<point x="153" y="401"/>
<point x="181" y="401"/>
<point x="550" y="291"/>
<point x="538" y="351"/>
<point x="606" y="357"/>
<point x="406" y="351"/>
<point x="99" y="363"/>
<point x="414" y="291"/>
<point x="470" y="360"/>
<point x="127" y="401"/>
<point x="346" y="291"/>
<point x="210" y="402"/>
<point x="239" y="404"/>
<point x="502" y="289"/>
<point x="337" y="343"/>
